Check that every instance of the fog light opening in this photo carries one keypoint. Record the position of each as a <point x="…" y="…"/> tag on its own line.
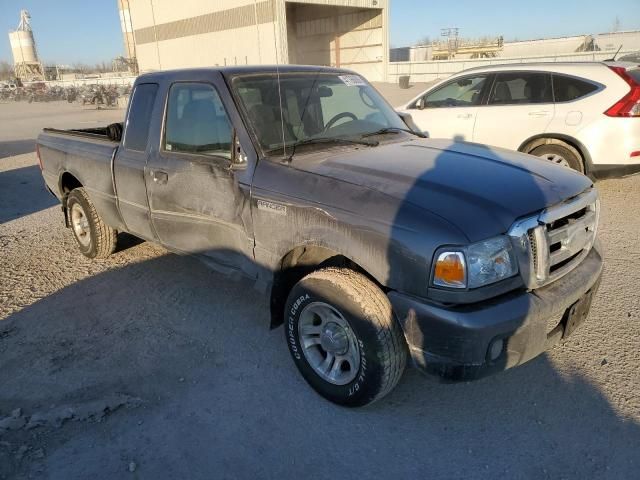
<point x="495" y="349"/>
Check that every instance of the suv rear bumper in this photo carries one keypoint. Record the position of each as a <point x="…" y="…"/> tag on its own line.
<point x="603" y="171"/>
<point x="455" y="342"/>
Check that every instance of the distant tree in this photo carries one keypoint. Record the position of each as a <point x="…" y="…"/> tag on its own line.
<point x="426" y="40"/>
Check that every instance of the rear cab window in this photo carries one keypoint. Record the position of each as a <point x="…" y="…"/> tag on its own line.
<point x="136" y="133"/>
<point x="567" y="89"/>
<point x="521" y="88"/>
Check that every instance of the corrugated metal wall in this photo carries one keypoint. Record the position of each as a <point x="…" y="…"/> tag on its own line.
<point x="434" y="70"/>
<point x="190" y="33"/>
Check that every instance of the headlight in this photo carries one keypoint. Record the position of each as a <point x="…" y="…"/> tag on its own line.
<point x="476" y="265"/>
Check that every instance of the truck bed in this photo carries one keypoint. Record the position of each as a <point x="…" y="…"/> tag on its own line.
<point x="85" y="156"/>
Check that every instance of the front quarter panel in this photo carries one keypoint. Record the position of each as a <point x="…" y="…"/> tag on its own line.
<point x="392" y="240"/>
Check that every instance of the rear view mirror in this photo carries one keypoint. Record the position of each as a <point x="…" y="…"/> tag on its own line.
<point x="464" y="82"/>
<point x="325" y="92"/>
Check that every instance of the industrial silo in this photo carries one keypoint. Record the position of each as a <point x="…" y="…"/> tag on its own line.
<point x="23" y="48"/>
<point x="127" y="33"/>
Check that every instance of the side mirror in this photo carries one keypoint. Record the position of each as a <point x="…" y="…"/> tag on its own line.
<point x="421" y="103"/>
<point x="238" y="157"/>
<point x="408" y="121"/>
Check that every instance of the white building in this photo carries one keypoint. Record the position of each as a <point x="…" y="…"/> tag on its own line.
<point x="192" y="33"/>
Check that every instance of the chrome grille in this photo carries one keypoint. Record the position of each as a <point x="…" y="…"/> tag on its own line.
<point x="554" y="242"/>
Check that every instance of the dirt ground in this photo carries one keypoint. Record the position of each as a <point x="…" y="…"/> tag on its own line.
<point x="149" y="365"/>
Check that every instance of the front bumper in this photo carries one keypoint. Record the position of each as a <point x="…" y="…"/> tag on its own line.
<point x="454" y="342"/>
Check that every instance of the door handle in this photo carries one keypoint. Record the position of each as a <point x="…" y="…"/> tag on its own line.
<point x="465" y="115"/>
<point x="159" y="177"/>
<point x="539" y="113"/>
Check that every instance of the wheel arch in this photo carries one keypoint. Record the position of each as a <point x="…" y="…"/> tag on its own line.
<point x="68" y="182"/>
<point x="299" y="262"/>
<point x="558" y="139"/>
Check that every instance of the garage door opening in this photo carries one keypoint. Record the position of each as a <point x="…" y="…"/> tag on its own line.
<point x="344" y="37"/>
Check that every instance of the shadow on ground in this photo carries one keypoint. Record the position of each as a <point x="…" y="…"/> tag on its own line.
<point x="220" y="394"/>
<point x="23" y="192"/>
<point x="16" y="147"/>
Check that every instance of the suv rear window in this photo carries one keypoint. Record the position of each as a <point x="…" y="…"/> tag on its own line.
<point x="566" y="89"/>
<point x="137" y="128"/>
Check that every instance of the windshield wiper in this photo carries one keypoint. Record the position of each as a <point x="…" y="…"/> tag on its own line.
<point x="337" y="140"/>
<point x="382" y="131"/>
<point x="322" y="140"/>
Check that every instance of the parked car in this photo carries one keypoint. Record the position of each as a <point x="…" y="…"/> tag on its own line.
<point x="581" y="115"/>
<point x="375" y="244"/>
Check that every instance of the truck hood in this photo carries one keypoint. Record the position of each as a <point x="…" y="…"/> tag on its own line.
<point x="481" y="190"/>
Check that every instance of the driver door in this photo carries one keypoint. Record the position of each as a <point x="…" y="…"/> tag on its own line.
<point x="450" y="111"/>
<point x="199" y="205"/>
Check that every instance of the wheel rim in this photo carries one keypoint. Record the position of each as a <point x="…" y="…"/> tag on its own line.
<point x="328" y="343"/>
<point x="80" y="225"/>
<point x="555" y="158"/>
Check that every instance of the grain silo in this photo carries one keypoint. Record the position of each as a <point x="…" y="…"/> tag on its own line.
<point x="23" y="47"/>
<point x="127" y="33"/>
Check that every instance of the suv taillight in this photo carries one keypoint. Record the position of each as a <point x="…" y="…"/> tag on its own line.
<point x="629" y="105"/>
<point x="38" y="156"/>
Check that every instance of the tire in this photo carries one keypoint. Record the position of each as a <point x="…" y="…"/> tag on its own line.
<point x="563" y="155"/>
<point x="376" y="352"/>
<point x="95" y="238"/>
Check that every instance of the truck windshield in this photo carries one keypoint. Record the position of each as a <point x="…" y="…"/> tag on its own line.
<point x="313" y="108"/>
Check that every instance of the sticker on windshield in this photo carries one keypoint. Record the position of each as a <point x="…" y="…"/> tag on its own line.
<point x="352" y="80"/>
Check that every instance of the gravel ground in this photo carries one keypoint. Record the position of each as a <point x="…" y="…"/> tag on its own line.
<point x="149" y="365"/>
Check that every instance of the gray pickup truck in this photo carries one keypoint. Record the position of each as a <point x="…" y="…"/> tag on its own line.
<point x="377" y="245"/>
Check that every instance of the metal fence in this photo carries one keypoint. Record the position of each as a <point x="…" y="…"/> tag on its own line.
<point x="434" y="70"/>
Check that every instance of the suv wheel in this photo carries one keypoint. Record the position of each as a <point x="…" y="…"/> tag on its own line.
<point x="343" y="336"/>
<point x="560" y="155"/>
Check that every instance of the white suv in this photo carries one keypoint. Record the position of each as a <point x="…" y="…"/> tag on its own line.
<point x="582" y="115"/>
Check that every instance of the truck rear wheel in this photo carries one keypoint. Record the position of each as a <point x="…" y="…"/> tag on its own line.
<point x="95" y="238"/>
<point x="343" y="336"/>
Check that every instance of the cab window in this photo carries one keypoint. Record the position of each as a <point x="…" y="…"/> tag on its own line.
<point x="521" y="88"/>
<point x="137" y="130"/>
<point x="196" y="121"/>
<point x="463" y="92"/>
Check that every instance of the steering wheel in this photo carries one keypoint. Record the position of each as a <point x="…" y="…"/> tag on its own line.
<point x="339" y="116"/>
<point x="366" y="99"/>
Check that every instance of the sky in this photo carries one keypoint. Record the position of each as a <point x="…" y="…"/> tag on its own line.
<point x="88" y="31"/>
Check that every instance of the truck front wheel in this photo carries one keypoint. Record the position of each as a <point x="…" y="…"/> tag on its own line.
<point x="95" y="238"/>
<point x="343" y="336"/>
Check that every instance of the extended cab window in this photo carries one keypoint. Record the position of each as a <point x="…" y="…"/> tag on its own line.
<point x="463" y="92"/>
<point x="567" y="89"/>
<point x="197" y="121"/>
<point x="137" y="130"/>
<point x="521" y="88"/>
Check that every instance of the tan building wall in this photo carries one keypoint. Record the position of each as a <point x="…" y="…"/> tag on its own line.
<point x="191" y="33"/>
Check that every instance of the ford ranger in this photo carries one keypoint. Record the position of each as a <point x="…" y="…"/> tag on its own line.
<point x="376" y="245"/>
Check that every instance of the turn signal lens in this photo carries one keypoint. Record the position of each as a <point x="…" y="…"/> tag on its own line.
<point x="450" y="270"/>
